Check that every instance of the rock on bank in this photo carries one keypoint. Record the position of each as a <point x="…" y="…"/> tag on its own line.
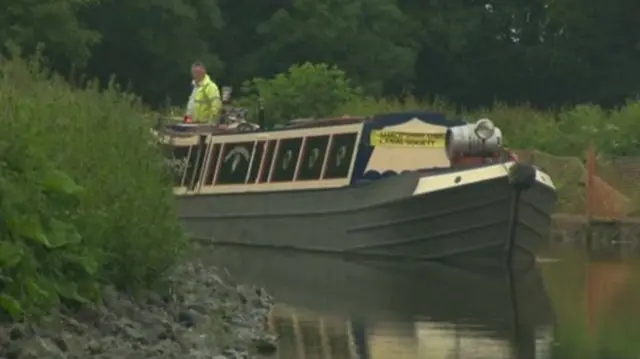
<point x="203" y="316"/>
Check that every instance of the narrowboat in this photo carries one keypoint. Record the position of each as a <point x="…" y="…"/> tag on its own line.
<point x="416" y="186"/>
<point x="388" y="308"/>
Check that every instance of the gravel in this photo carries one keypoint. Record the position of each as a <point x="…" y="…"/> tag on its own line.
<point x="201" y="316"/>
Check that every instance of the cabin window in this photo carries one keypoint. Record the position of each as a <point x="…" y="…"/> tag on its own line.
<point x="313" y="154"/>
<point x="179" y="163"/>
<point x="187" y="163"/>
<point x="255" y="164"/>
<point x="286" y="159"/>
<point x="235" y="163"/>
<point x="198" y="160"/>
<point x="340" y="155"/>
<point x="213" y="161"/>
<point x="268" y="160"/>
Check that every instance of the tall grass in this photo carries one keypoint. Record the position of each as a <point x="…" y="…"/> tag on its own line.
<point x="101" y="140"/>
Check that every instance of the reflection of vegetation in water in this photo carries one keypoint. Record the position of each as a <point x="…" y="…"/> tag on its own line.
<point x="596" y="306"/>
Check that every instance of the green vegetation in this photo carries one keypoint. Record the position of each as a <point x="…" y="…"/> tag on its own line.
<point x="555" y="140"/>
<point x="310" y="90"/>
<point x="550" y="54"/>
<point x="305" y="90"/>
<point x="553" y="75"/>
<point x="84" y="195"/>
<point x="469" y="59"/>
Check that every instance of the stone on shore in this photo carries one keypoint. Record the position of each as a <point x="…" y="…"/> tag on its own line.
<point x="202" y="315"/>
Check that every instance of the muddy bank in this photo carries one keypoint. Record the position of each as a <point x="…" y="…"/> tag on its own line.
<point x="203" y="315"/>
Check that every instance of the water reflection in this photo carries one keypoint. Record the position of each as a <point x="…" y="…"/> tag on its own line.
<point x="595" y="296"/>
<point x="336" y="309"/>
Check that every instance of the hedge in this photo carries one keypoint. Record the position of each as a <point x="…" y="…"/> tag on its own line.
<point x="85" y="197"/>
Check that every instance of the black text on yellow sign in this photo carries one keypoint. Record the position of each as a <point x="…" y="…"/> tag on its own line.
<point x="406" y="139"/>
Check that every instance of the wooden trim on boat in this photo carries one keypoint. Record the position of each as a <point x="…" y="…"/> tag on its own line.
<point x="354" y="156"/>
<point x="286" y="134"/>
<point x="267" y="144"/>
<point x="186" y="169"/>
<point x="301" y="154"/>
<point x="216" y="171"/>
<point x="207" y="163"/>
<point x="270" y="139"/>
<point x="279" y="186"/>
<point x="433" y="183"/>
<point x="180" y="190"/>
<point x="273" y="161"/>
<point x="253" y="154"/>
<point x="194" y="181"/>
<point x="179" y="141"/>
<point x="323" y="171"/>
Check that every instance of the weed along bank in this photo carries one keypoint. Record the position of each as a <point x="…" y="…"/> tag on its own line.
<point x="403" y="185"/>
<point x="93" y="262"/>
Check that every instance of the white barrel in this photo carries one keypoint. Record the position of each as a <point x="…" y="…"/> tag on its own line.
<point x="463" y="140"/>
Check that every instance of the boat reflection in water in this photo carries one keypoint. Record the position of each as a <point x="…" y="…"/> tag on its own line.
<point x="337" y="309"/>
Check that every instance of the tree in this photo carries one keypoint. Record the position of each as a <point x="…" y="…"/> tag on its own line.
<point x="369" y="39"/>
<point x="151" y="44"/>
<point x="53" y="23"/>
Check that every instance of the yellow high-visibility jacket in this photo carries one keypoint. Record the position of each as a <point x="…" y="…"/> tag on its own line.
<point x="205" y="103"/>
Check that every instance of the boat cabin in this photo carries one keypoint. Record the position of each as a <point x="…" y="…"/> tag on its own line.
<point x="307" y="154"/>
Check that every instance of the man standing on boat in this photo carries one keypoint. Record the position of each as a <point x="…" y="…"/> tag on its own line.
<point x="204" y="103"/>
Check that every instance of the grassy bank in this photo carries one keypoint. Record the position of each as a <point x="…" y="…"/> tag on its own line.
<point x="84" y="197"/>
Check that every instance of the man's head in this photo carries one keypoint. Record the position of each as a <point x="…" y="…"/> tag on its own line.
<point x="198" y="71"/>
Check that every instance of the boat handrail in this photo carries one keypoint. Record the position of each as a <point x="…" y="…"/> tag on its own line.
<point x="319" y="122"/>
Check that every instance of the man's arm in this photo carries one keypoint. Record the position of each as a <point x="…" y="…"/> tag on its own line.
<point x="212" y="94"/>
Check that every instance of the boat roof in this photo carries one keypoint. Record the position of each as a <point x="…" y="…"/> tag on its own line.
<point x="370" y="123"/>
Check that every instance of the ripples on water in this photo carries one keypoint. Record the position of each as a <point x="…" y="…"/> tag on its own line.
<point x="568" y="306"/>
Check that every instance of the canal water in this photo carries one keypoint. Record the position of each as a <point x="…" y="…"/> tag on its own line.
<point x="572" y="304"/>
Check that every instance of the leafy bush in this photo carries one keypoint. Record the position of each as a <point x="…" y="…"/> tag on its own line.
<point x="101" y="139"/>
<point x="307" y="90"/>
<point x="42" y="255"/>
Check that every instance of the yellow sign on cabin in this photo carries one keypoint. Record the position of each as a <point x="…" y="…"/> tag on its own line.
<point x="406" y="139"/>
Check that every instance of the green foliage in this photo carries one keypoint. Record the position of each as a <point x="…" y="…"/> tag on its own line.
<point x="553" y="140"/>
<point x="306" y="90"/>
<point x="43" y="257"/>
<point x="125" y="220"/>
<point x="151" y="44"/>
<point x="320" y="90"/>
<point x="548" y="53"/>
<point x="52" y="23"/>
<point x="369" y="39"/>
